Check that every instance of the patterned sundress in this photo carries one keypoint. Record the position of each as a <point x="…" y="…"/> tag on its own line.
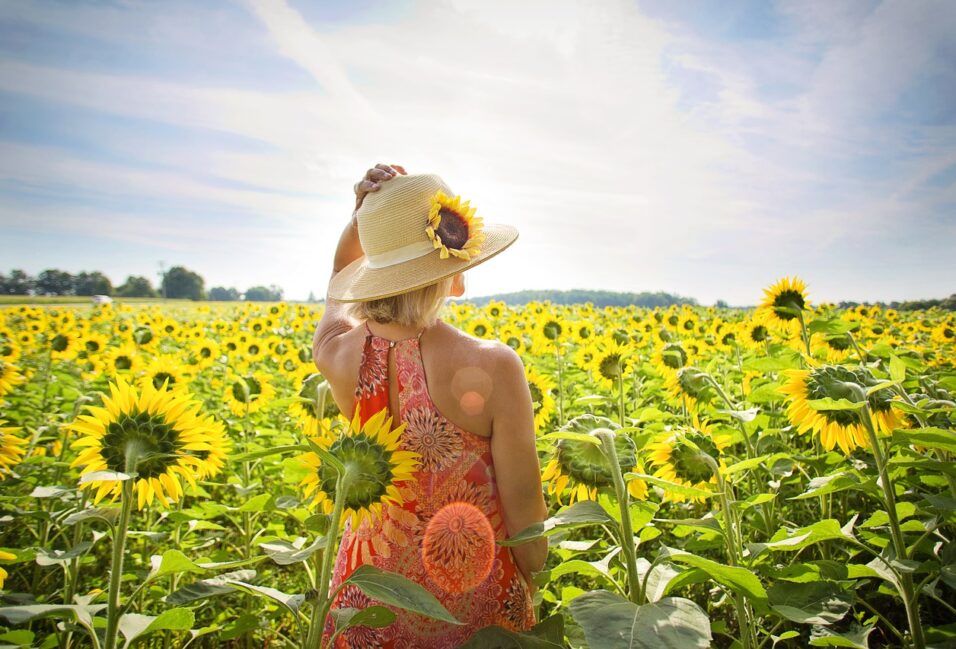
<point x="456" y="467"/>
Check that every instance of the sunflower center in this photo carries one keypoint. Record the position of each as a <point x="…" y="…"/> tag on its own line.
<point x="690" y="464"/>
<point x="481" y="330"/>
<point x="246" y="393"/>
<point x="123" y="362"/>
<point x="92" y="346"/>
<point x="839" y="343"/>
<point x="253" y="348"/>
<point x="205" y="352"/>
<point x="147" y="440"/>
<point x="160" y="377"/>
<point x="452" y="229"/>
<point x="551" y="330"/>
<point x="59" y="343"/>
<point x="586" y="463"/>
<point x="788" y="299"/>
<point x="610" y="367"/>
<point x="513" y="342"/>
<point x="759" y="333"/>
<point x="372" y="467"/>
<point x="674" y="356"/>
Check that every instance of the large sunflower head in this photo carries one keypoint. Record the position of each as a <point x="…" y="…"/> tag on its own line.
<point x="542" y="399"/>
<point x="248" y="393"/>
<point x="11" y="449"/>
<point x="783" y="301"/>
<point x="315" y="403"/>
<point x="671" y="357"/>
<point x="158" y="436"/>
<point x="683" y="456"/>
<point x="585" y="467"/>
<point x="453" y="227"/>
<point x="689" y="386"/>
<point x="837" y="427"/>
<point x="610" y="362"/>
<point x="372" y="453"/>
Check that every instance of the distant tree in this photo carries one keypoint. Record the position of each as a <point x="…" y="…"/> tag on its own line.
<point x="312" y="297"/>
<point x="181" y="283"/>
<point x="263" y="294"/>
<point x="721" y="304"/>
<point x="95" y="283"/>
<point x="18" y="283"/>
<point x="136" y="286"/>
<point x="54" y="282"/>
<point x="220" y="294"/>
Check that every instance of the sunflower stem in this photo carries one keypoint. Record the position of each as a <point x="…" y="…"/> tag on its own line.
<point x="321" y="609"/>
<point x="620" y="389"/>
<point x="803" y="331"/>
<point x="859" y="352"/>
<point x="557" y="355"/>
<point x="910" y="601"/>
<point x="113" y="610"/>
<point x="635" y="589"/>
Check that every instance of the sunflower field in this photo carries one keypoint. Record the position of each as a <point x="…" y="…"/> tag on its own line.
<point x="774" y="477"/>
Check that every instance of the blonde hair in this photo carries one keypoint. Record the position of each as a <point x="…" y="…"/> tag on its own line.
<point x="418" y="308"/>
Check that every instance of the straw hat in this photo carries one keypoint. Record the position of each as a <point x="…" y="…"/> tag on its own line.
<point x="415" y="231"/>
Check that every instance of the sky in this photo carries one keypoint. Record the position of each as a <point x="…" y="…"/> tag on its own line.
<point x="701" y="148"/>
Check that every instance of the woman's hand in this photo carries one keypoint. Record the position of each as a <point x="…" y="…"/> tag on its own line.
<point x="373" y="179"/>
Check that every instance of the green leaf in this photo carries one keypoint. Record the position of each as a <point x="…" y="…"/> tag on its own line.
<point x="97" y="476"/>
<point x="583" y="512"/>
<point x="937" y="438"/>
<point x="819" y="602"/>
<point x="172" y="562"/>
<point x="260" y="503"/>
<point x="20" y="638"/>
<point x="826" y="403"/>
<point x="290" y="602"/>
<point x="829" y="484"/>
<point x="53" y="557"/>
<point x="610" y="622"/>
<point x="833" y="326"/>
<point x="370" y="616"/>
<point x="134" y="625"/>
<point x="578" y="437"/>
<point x="667" y="485"/>
<point x="285" y="553"/>
<point x="882" y="385"/>
<point x="897" y="369"/>
<point x="82" y="613"/>
<point x="106" y="514"/>
<point x="738" y="579"/>
<point x="206" y="588"/>
<point x="397" y="590"/>
<point x="791" y="541"/>
<point x="857" y="637"/>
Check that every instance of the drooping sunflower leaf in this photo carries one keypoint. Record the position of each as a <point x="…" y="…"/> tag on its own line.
<point x="397" y="590"/>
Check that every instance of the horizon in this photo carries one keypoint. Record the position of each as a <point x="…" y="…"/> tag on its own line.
<point x="720" y="146"/>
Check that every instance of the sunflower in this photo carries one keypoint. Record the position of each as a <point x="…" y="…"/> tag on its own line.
<point x="373" y="451"/>
<point x="9" y="377"/>
<point x="11" y="449"/>
<point x="64" y="345"/>
<point x="541" y="387"/>
<point x="680" y="456"/>
<point x="945" y="333"/>
<point x="583" y="465"/>
<point x="754" y="333"/>
<point x="124" y="359"/>
<point x="610" y="363"/>
<point x="453" y="227"/>
<point x="842" y="428"/>
<point x="93" y="344"/>
<point x="314" y="405"/>
<point x="783" y="300"/>
<point x="5" y="556"/>
<point x="204" y="352"/>
<point x="249" y="392"/>
<point x="670" y="357"/>
<point x="832" y="348"/>
<point x="480" y="328"/>
<point x="512" y="337"/>
<point x="689" y="386"/>
<point x="165" y="369"/>
<point x="157" y="435"/>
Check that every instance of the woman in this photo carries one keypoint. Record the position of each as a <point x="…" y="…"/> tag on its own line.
<point x="465" y="403"/>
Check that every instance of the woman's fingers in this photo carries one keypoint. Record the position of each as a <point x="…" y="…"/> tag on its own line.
<point x="400" y="169"/>
<point x="366" y="186"/>
<point x="373" y="179"/>
<point x="376" y="174"/>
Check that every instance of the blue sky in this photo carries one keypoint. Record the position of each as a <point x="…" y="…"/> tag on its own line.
<point x="704" y="148"/>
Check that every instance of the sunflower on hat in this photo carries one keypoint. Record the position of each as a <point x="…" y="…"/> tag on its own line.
<point x="453" y="227"/>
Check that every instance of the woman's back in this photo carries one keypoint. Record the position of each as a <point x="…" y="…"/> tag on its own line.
<point x="442" y="536"/>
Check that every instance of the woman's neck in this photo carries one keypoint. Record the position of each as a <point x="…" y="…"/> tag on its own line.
<point x="393" y="330"/>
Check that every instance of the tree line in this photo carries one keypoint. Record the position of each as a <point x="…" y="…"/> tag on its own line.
<point x="178" y="283"/>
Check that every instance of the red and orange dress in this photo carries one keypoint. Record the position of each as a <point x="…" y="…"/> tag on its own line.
<point x="477" y="581"/>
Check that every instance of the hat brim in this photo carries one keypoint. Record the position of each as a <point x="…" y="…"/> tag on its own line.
<point x="359" y="283"/>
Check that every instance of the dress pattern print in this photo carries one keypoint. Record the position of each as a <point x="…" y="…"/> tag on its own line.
<point x="442" y="536"/>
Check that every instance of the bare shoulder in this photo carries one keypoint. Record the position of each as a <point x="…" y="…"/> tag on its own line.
<point x="493" y="356"/>
<point x="332" y="338"/>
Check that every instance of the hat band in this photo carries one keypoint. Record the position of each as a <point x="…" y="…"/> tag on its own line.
<point x="399" y="255"/>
